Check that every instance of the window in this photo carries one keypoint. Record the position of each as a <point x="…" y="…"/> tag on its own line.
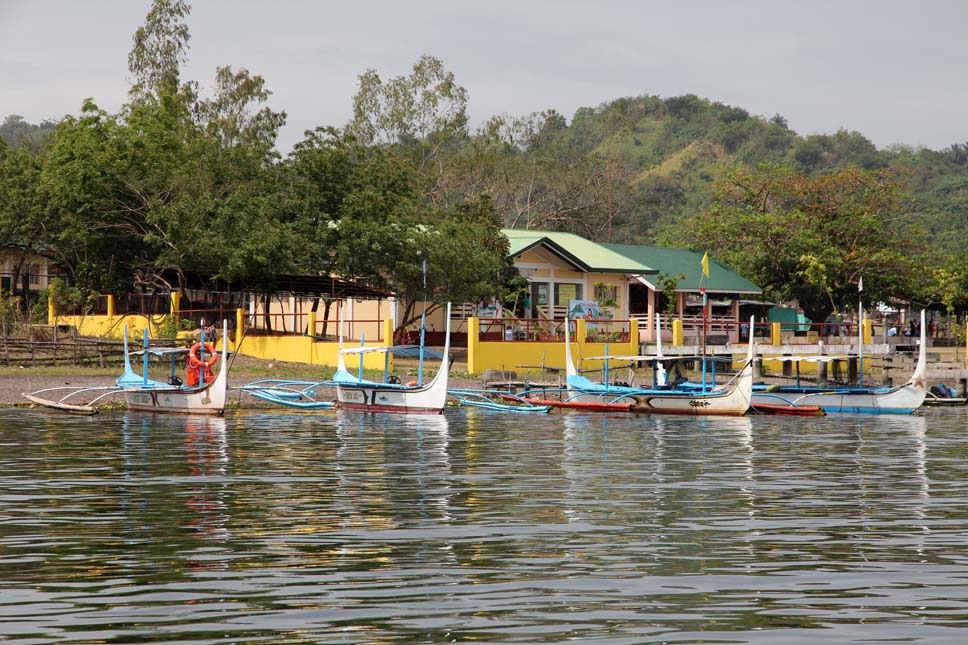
<point x="565" y="292"/>
<point x="606" y="293"/>
<point x="33" y="271"/>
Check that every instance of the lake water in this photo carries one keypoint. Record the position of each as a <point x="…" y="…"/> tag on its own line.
<point x="273" y="527"/>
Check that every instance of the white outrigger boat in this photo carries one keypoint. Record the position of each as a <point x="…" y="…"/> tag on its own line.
<point x="729" y="399"/>
<point x="202" y="391"/>
<point x="853" y="399"/>
<point x="357" y="393"/>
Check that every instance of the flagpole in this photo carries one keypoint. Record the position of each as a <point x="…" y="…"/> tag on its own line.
<point x="704" y="263"/>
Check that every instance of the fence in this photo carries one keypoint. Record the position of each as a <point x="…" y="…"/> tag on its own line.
<point x="543" y="330"/>
<point x="65" y="351"/>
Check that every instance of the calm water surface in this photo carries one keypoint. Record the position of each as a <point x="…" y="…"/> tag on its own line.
<point x="269" y="527"/>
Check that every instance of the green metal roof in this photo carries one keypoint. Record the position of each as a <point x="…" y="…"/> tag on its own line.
<point x="583" y="254"/>
<point x="672" y="262"/>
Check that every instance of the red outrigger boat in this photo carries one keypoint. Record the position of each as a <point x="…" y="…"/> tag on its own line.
<point x="588" y="406"/>
<point x="787" y="410"/>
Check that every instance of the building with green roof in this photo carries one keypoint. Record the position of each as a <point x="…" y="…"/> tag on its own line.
<point x="562" y="268"/>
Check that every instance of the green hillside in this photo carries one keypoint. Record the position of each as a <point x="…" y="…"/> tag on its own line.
<point x="677" y="148"/>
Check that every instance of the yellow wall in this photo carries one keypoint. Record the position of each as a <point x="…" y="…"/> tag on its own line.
<point x="111" y="327"/>
<point x="529" y="357"/>
<point x="295" y="349"/>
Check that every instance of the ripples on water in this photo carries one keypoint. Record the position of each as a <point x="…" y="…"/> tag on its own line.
<point x="275" y="527"/>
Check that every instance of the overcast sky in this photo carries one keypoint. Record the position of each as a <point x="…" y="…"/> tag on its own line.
<point x="893" y="70"/>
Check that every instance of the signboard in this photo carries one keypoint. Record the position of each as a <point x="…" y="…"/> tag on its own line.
<point x="587" y="309"/>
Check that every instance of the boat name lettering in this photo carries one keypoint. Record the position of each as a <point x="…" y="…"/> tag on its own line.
<point x="698" y="404"/>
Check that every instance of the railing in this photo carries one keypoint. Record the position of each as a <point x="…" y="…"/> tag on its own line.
<point x="602" y="330"/>
<point x="521" y="329"/>
<point x="356" y="329"/>
<point x="543" y="330"/>
<point x="208" y="316"/>
<point x="146" y="304"/>
<point x="298" y="324"/>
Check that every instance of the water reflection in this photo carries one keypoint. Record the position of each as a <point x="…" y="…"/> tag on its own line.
<point x="281" y="527"/>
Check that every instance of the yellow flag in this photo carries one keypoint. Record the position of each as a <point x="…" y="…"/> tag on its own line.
<point x="705" y="264"/>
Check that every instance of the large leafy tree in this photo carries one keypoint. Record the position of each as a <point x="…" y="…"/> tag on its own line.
<point x="87" y="229"/>
<point x="421" y="117"/>
<point x="21" y="208"/>
<point x="813" y="239"/>
<point x="174" y="181"/>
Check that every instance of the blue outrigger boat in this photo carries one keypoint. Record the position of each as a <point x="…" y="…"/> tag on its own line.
<point x="853" y="399"/>
<point x="703" y="399"/>
<point x="354" y="392"/>
<point x="201" y="392"/>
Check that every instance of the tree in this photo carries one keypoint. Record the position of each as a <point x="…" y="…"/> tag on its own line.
<point x="160" y="47"/>
<point x="426" y="106"/>
<point x="456" y="255"/>
<point x="83" y="224"/>
<point x="232" y="115"/>
<point x="812" y="239"/>
<point x="174" y="181"/>
<point x="21" y="208"/>
<point x="16" y="132"/>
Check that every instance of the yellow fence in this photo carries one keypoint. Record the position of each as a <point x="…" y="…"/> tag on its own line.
<point x="288" y="348"/>
<point x="521" y="356"/>
<point x="537" y="356"/>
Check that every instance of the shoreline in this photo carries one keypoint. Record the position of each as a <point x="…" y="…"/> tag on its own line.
<point x="12" y="387"/>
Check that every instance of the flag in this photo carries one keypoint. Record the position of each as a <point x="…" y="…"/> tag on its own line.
<point x="705" y="264"/>
<point x="860" y="284"/>
<point x="425" y="272"/>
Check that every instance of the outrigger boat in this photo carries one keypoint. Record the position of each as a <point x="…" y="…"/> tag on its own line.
<point x="857" y="399"/>
<point x="202" y="392"/>
<point x="664" y="379"/>
<point x="730" y="399"/>
<point x="357" y="393"/>
<point x="498" y="401"/>
<point x="302" y="395"/>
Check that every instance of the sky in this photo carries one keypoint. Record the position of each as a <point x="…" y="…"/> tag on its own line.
<point x="893" y="70"/>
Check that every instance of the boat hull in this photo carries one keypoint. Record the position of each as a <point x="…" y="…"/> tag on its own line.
<point x="175" y="401"/>
<point x="369" y="396"/>
<point x="732" y="402"/>
<point x="787" y="410"/>
<point x="365" y="398"/>
<point x="208" y="400"/>
<point x="587" y="406"/>
<point x="903" y="400"/>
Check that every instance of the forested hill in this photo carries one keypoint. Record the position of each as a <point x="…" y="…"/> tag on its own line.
<point x="677" y="148"/>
